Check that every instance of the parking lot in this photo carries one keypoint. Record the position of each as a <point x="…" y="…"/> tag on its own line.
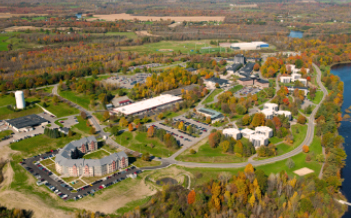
<point x="184" y="138"/>
<point x="63" y="189"/>
<point x="67" y="122"/>
<point x="128" y="82"/>
<point x="247" y="90"/>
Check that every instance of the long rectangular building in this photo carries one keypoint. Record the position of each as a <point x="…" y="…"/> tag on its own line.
<point x="140" y="107"/>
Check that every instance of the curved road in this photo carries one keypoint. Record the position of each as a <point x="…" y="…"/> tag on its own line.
<point x="307" y="141"/>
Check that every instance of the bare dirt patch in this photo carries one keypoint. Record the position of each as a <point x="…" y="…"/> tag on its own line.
<point x="303" y="171"/>
<point x="166" y="50"/>
<point x="113" y="17"/>
<point x="144" y="33"/>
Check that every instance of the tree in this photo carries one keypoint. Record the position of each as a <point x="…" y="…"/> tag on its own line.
<point x="181" y="126"/>
<point x="115" y="130"/>
<point x="123" y="122"/>
<point x="208" y="119"/>
<point x="305" y="148"/>
<point x="256" y="67"/>
<point x="290" y="163"/>
<point x="92" y="130"/>
<point x="106" y="115"/>
<point x="190" y="130"/>
<point x="160" y="116"/>
<point x="130" y="127"/>
<point x="145" y="156"/>
<point x="83" y="115"/>
<point x="225" y="146"/>
<point x="191" y="197"/>
<point x="55" y="100"/>
<point x="238" y="148"/>
<point x="246" y="120"/>
<point x="301" y="119"/>
<point x="192" y="151"/>
<point x="320" y="158"/>
<point x="252" y="200"/>
<point x="150" y="132"/>
<point x="136" y="121"/>
<point x="299" y="63"/>
<point x="258" y="120"/>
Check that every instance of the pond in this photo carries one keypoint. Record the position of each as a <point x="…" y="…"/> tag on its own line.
<point x="166" y="180"/>
<point x="296" y="34"/>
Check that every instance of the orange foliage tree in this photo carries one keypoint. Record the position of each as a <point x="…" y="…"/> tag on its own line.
<point x="305" y="148"/>
<point x="191" y="197"/>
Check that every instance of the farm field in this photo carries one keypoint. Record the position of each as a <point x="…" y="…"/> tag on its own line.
<point x="113" y="17"/>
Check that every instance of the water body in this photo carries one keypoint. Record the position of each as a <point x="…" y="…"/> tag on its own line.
<point x="296" y="34"/>
<point x="344" y="72"/>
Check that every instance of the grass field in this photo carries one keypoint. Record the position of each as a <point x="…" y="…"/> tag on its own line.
<point x="3" y="43"/>
<point x="7" y="100"/>
<point x="81" y="126"/>
<point x="317" y="98"/>
<point x="236" y="88"/>
<point x="57" y="122"/>
<point x="5" y="133"/>
<point x="141" y="163"/>
<point x="47" y="89"/>
<point x="5" y="113"/>
<point x="79" y="99"/>
<point x="139" y="142"/>
<point x="183" y="46"/>
<point x="61" y="109"/>
<point x="96" y="155"/>
<point x="40" y="144"/>
<point x="275" y="140"/>
<point x="210" y="98"/>
<point x="299" y="132"/>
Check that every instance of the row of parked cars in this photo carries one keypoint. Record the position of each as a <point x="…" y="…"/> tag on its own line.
<point x="186" y="123"/>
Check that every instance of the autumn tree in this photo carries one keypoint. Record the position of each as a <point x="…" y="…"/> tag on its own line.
<point x="130" y="127"/>
<point x="258" y="120"/>
<point x="106" y="115"/>
<point x="246" y="120"/>
<point x="191" y="197"/>
<point x="83" y="115"/>
<point x="301" y="119"/>
<point x="249" y="171"/>
<point x="145" y="156"/>
<point x="238" y="148"/>
<point x="256" y="67"/>
<point x="305" y="149"/>
<point x="150" y="132"/>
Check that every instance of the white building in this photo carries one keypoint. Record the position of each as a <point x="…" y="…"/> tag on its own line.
<point x="235" y="133"/>
<point x="246" y="133"/>
<point x="211" y="82"/>
<point x="268" y="113"/>
<point x="294" y="77"/>
<point x="258" y="140"/>
<point x="249" y="45"/>
<point x="271" y="106"/>
<point x="20" y="102"/>
<point x="264" y="130"/>
<point x="285" y="113"/>
<point x="151" y="104"/>
<point x="294" y="69"/>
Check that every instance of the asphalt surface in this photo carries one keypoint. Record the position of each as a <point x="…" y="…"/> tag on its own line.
<point x="56" y="182"/>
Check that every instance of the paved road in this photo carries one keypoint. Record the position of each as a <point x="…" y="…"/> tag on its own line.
<point x="307" y="141"/>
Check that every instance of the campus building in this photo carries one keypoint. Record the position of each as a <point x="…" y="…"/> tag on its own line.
<point x="292" y="78"/>
<point x="214" y="115"/>
<point x="253" y="81"/>
<point x="293" y="69"/>
<point x="26" y="123"/>
<point x="233" y="132"/>
<point x="292" y="89"/>
<point x="270" y="110"/>
<point x="69" y="164"/>
<point x="211" y="82"/>
<point x="249" y="45"/>
<point x="140" y="107"/>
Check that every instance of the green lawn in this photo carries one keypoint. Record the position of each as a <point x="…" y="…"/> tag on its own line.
<point x="61" y="109"/>
<point x="47" y="89"/>
<point x="236" y="88"/>
<point x="206" y="154"/>
<point x="3" y="43"/>
<point x="5" y="113"/>
<point x="139" y="142"/>
<point x="183" y="46"/>
<point x="5" y="133"/>
<point x="80" y="99"/>
<point x="141" y="163"/>
<point x="299" y="132"/>
<point x="210" y="98"/>
<point x="82" y="125"/>
<point x="96" y="155"/>
<point x="40" y="144"/>
<point x="317" y="98"/>
<point x="7" y="100"/>
<point x="275" y="140"/>
<point x="132" y="205"/>
<point x="57" y="122"/>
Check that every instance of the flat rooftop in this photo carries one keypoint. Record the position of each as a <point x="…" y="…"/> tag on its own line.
<point x="178" y="91"/>
<point x="29" y="120"/>
<point x="217" y="80"/>
<point x="210" y="112"/>
<point x="147" y="104"/>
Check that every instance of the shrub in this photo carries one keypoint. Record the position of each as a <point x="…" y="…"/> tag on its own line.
<point x="290" y="163"/>
<point x="192" y="151"/>
<point x="308" y="158"/>
<point x="305" y="149"/>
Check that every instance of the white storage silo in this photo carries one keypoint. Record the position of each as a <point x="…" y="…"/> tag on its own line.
<point x="20" y="103"/>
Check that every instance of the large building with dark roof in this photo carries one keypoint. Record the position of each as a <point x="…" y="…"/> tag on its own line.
<point x="211" y="82"/>
<point x="69" y="164"/>
<point x="26" y="123"/>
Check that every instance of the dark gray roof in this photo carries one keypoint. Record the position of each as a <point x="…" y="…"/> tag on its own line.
<point x="262" y="81"/>
<point x="64" y="157"/>
<point x="178" y="91"/>
<point x="218" y="80"/>
<point x="191" y="69"/>
<point x="29" y="120"/>
<point x="247" y="69"/>
<point x="235" y="67"/>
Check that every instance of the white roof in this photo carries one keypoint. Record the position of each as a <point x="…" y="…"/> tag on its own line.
<point x="284" y="112"/>
<point x="147" y="104"/>
<point x="231" y="131"/>
<point x="270" y="105"/>
<point x="258" y="137"/>
<point x="247" y="131"/>
<point x="263" y="129"/>
<point x="267" y="112"/>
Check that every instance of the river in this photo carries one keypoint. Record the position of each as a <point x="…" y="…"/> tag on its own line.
<point x="344" y="72"/>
